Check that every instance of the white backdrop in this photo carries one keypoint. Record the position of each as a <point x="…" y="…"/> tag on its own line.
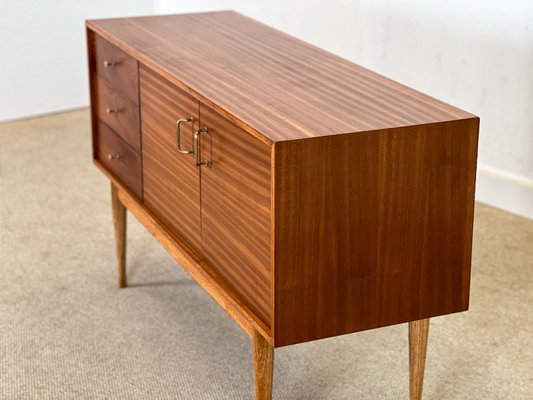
<point x="43" y="62"/>
<point x="477" y="55"/>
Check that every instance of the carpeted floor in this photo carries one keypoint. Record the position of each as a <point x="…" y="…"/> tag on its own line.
<point x="67" y="332"/>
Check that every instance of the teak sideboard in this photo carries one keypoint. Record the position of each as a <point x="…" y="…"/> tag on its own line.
<point x="309" y="196"/>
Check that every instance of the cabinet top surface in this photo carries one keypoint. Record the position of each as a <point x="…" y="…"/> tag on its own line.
<point x="278" y="86"/>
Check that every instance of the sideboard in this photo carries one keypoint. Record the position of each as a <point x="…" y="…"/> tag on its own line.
<point x="309" y="196"/>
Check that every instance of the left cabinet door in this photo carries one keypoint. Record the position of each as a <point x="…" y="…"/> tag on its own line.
<point x="171" y="180"/>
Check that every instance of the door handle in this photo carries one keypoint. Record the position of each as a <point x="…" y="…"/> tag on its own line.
<point x="178" y="134"/>
<point x="197" y="148"/>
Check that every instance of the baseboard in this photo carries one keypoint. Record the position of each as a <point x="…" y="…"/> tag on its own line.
<point x="505" y="191"/>
<point x="43" y="114"/>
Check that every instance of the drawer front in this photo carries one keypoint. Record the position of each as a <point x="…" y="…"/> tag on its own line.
<point x="119" y="158"/>
<point x="171" y="179"/>
<point x="117" y="68"/>
<point x="118" y="112"/>
<point x="236" y="211"/>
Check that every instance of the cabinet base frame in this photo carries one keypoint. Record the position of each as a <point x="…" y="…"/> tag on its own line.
<point x="263" y="349"/>
<point x="418" y="341"/>
<point x="119" y="225"/>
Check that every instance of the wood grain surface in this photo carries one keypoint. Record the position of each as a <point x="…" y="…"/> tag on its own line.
<point x="125" y="120"/>
<point x="263" y="367"/>
<point x="125" y="162"/>
<point x="119" y="226"/>
<point x="372" y="229"/>
<point x="271" y="84"/>
<point x="123" y="76"/>
<point x="418" y="343"/>
<point x="336" y="201"/>
<point x="171" y="179"/>
<point x="236" y="210"/>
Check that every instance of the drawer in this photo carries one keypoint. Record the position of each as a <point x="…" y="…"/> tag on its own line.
<point x="119" y="158"/>
<point x="117" y="68"/>
<point x="118" y="112"/>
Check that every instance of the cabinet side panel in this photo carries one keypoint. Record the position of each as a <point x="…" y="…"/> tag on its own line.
<point x="90" y="37"/>
<point x="372" y="229"/>
<point x="236" y="211"/>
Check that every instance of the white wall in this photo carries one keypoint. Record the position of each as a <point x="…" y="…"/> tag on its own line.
<point x="43" y="65"/>
<point x="477" y="55"/>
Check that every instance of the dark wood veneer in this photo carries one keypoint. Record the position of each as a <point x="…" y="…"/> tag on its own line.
<point x="127" y="167"/>
<point x="236" y="214"/>
<point x="118" y="112"/>
<point x="334" y="200"/>
<point x="123" y="76"/>
<point x="171" y="180"/>
<point x="373" y="228"/>
<point x="271" y="84"/>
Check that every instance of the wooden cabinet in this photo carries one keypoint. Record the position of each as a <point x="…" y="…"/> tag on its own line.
<point x="310" y="197"/>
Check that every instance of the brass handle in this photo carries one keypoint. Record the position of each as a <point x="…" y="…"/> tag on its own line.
<point x="197" y="147"/>
<point x="112" y="157"/>
<point x="112" y="110"/>
<point x="178" y="134"/>
<point x="110" y="64"/>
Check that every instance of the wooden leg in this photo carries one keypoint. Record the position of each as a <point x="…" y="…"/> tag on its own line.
<point x="263" y="367"/>
<point x="418" y="340"/>
<point x="119" y="223"/>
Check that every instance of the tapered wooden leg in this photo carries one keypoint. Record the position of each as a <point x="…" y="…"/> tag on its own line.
<point x="418" y="340"/>
<point x="263" y="367"/>
<point x="119" y="223"/>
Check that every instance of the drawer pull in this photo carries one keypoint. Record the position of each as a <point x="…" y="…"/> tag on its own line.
<point x="197" y="148"/>
<point x="112" y="157"/>
<point x="112" y="110"/>
<point x="110" y="64"/>
<point x="178" y="134"/>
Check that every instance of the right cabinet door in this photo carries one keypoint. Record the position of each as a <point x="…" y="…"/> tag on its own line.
<point x="236" y="210"/>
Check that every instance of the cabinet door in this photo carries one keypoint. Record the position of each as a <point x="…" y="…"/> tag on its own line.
<point x="171" y="180"/>
<point x="236" y="210"/>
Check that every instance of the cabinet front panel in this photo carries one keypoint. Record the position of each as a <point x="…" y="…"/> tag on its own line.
<point x="119" y="112"/>
<point x="171" y="179"/>
<point x="119" y="158"/>
<point x="117" y="68"/>
<point x="236" y="210"/>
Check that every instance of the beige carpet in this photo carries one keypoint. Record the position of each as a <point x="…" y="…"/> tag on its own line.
<point x="67" y="332"/>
